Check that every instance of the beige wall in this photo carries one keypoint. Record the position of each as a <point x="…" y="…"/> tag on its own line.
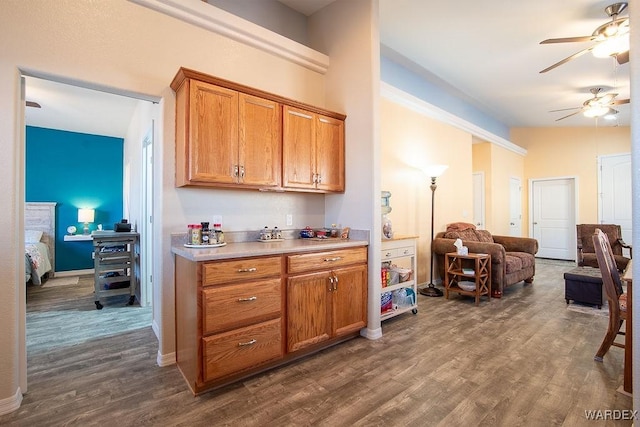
<point x="570" y="152"/>
<point x="411" y="141"/>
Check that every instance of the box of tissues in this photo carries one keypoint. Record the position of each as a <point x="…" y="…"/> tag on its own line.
<point x="460" y="250"/>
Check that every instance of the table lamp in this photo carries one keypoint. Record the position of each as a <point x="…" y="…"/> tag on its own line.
<point x="86" y="216"/>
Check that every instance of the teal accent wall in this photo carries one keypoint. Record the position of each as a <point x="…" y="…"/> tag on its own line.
<point x="76" y="170"/>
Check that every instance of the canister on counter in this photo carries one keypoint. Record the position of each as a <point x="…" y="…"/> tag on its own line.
<point x="195" y="234"/>
<point x="205" y="233"/>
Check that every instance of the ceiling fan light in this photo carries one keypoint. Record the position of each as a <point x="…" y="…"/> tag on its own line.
<point x="611" y="46"/>
<point x="596" y="111"/>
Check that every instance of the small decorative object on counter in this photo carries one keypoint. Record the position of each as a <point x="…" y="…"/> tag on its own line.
<point x="219" y="234"/>
<point x="334" y="230"/>
<point x="276" y="234"/>
<point x="345" y="233"/>
<point x="205" y="233"/>
<point x="307" y="233"/>
<point x="194" y="236"/>
<point x="265" y="234"/>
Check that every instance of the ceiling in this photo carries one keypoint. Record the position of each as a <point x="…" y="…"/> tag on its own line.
<point x="485" y="52"/>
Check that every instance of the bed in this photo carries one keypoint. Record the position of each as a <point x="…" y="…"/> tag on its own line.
<point x="39" y="241"/>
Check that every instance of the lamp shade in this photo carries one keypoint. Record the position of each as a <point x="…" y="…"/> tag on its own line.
<point x="434" y="171"/>
<point x="86" y="215"/>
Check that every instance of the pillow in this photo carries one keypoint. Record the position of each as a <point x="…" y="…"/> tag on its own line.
<point x="32" y="236"/>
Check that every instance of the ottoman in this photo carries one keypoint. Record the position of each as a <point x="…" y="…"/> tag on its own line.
<point x="584" y="284"/>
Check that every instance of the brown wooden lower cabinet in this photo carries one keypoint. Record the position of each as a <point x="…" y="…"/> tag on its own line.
<point x="238" y="317"/>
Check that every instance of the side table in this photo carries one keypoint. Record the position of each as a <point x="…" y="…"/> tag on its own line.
<point x="474" y="268"/>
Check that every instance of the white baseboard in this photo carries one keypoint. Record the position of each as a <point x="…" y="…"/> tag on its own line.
<point x="166" y="359"/>
<point x="73" y="273"/>
<point x="371" y="334"/>
<point x="12" y="403"/>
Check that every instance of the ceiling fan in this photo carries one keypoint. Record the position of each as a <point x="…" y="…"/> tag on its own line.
<point x="612" y="38"/>
<point x="597" y="106"/>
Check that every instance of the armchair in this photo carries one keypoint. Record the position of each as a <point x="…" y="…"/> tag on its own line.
<point x="586" y="251"/>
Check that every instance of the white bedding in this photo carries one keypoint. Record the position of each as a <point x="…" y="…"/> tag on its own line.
<point x="36" y="262"/>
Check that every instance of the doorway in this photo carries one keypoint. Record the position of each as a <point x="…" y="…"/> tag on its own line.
<point x="515" y="207"/>
<point x="478" y="200"/>
<point x="553" y="217"/>
<point x="136" y="106"/>
<point x="614" y="189"/>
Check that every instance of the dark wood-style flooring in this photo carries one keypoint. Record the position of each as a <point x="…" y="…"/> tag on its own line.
<point x="523" y="360"/>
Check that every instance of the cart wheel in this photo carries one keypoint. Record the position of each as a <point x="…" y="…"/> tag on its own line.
<point x="98" y="305"/>
<point x="132" y="298"/>
<point x="414" y="311"/>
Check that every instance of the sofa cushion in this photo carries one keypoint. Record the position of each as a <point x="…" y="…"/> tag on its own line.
<point x="468" y="235"/>
<point x="517" y="261"/>
<point x="484" y="236"/>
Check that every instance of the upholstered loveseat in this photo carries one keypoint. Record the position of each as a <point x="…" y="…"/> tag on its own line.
<point x="512" y="258"/>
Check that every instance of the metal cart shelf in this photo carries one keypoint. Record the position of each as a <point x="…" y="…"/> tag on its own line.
<point x="115" y="264"/>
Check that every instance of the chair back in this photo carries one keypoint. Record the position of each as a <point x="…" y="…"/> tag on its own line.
<point x="613" y="232"/>
<point x="609" y="271"/>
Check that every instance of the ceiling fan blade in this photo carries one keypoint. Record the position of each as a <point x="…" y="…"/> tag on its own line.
<point x="565" y="109"/>
<point x="567" y="59"/>
<point x="569" y="115"/>
<point x="33" y="104"/>
<point x="606" y="99"/>
<point x="623" y="57"/>
<point x="568" y="40"/>
<point x="620" y="102"/>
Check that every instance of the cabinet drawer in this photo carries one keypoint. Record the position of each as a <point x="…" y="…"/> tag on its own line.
<point x="241" y="349"/>
<point x="388" y="254"/>
<point x="215" y="273"/>
<point x="229" y="307"/>
<point x="320" y="261"/>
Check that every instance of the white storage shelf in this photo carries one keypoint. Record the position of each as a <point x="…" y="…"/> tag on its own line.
<point x="401" y="250"/>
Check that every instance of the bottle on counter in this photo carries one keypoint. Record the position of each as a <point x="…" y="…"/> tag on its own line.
<point x="265" y="234"/>
<point x="219" y="234"/>
<point x="205" y="233"/>
<point x="195" y="234"/>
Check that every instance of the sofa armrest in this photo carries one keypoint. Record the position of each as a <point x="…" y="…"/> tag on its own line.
<point x="442" y="246"/>
<point x="517" y="244"/>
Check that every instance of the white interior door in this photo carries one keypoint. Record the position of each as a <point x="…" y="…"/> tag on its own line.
<point x="554" y="217"/>
<point x="614" y="203"/>
<point x="478" y="200"/>
<point x="146" y="256"/>
<point x="515" y="207"/>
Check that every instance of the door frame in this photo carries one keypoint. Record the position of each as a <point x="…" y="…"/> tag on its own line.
<point x="576" y="182"/>
<point x="483" y="207"/>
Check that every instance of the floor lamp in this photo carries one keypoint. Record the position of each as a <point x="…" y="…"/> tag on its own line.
<point x="434" y="172"/>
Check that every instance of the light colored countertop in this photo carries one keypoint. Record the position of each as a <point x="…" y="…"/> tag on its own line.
<point x="250" y="249"/>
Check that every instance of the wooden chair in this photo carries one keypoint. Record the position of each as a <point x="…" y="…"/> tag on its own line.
<point x="613" y="290"/>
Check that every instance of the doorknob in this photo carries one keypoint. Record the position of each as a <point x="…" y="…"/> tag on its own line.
<point x="535" y="223"/>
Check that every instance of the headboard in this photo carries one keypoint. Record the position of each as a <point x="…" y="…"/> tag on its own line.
<point x="42" y="216"/>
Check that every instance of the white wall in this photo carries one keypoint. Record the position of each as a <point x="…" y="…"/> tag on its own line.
<point x="128" y="47"/>
<point x="347" y="31"/>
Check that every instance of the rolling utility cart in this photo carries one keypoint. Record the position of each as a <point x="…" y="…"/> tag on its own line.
<point x="115" y="264"/>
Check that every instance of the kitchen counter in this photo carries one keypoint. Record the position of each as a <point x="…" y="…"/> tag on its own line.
<point x="251" y="249"/>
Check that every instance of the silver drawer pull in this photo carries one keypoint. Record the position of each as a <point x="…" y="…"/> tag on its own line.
<point x="243" y="344"/>
<point x="247" y="299"/>
<point x="247" y="270"/>
<point x="338" y="258"/>
<point x="388" y="254"/>
<point x="406" y="251"/>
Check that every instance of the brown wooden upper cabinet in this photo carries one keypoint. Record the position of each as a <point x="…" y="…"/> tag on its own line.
<point x="313" y="151"/>
<point x="230" y="135"/>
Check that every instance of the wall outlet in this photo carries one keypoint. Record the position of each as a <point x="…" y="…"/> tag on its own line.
<point x="289" y="219"/>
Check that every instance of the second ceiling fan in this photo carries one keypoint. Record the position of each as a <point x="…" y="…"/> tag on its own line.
<point x="597" y="106"/>
<point x="612" y="38"/>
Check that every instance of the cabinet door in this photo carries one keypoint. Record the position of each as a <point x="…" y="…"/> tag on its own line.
<point x="349" y="300"/>
<point x="213" y="124"/>
<point x="329" y="154"/>
<point x="308" y="310"/>
<point x="260" y="135"/>
<point x="299" y="148"/>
